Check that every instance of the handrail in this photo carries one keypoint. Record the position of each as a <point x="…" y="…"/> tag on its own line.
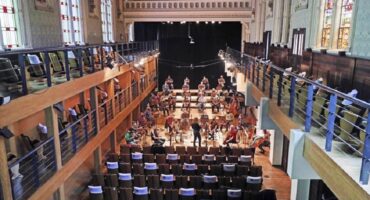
<point x="76" y="122"/>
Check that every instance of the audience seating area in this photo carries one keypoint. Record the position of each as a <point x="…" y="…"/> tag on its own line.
<point x="180" y="173"/>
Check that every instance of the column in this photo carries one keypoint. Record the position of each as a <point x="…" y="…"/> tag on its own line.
<point x="94" y="106"/>
<point x="300" y="189"/>
<point x="278" y="21"/>
<point x="286" y="22"/>
<point x="263" y="17"/>
<point x="257" y="21"/>
<point x="5" y="181"/>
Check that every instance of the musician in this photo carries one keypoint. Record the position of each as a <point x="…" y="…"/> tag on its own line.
<point x="149" y="116"/>
<point x="172" y="102"/>
<point x="229" y="119"/>
<point x="155" y="137"/>
<point x="261" y="140"/>
<point x="214" y="92"/>
<point x="169" y="82"/>
<point x="201" y="87"/>
<point x="130" y="137"/>
<point x="154" y="101"/>
<point x="201" y="102"/>
<point x="164" y="106"/>
<point x="142" y="120"/>
<point x="185" y="87"/>
<point x="234" y="106"/>
<point x="231" y="136"/>
<point x="186" y="81"/>
<point x="186" y="104"/>
<point x="213" y="128"/>
<point x="196" y="131"/>
<point x="221" y="82"/>
<point x="176" y="130"/>
<point x="215" y="103"/>
<point x="169" y="123"/>
<point x="166" y="88"/>
<point x="205" y="82"/>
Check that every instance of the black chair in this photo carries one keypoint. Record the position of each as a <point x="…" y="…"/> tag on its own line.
<point x="195" y="182"/>
<point x="203" y="194"/>
<point x="96" y="193"/>
<point x="234" y="194"/>
<point x="124" y="167"/>
<point x="238" y="182"/>
<point x="197" y="159"/>
<point x="167" y="181"/>
<point x="202" y="169"/>
<point x="214" y="150"/>
<point x="111" y="180"/>
<point x="125" y="180"/>
<point x="125" y="158"/>
<point x="153" y="181"/>
<point x="181" y="182"/>
<point x="141" y="193"/>
<point x="242" y="170"/>
<point x="187" y="193"/>
<point x="184" y="158"/>
<point x="156" y="194"/>
<point x="98" y="179"/>
<point x="210" y="182"/>
<point x="219" y="194"/>
<point x="171" y="194"/>
<point x="110" y="193"/>
<point x="176" y="169"/>
<point x="139" y="181"/>
<point x="126" y="194"/>
<point x="138" y="168"/>
<point x="149" y="158"/>
<point x="255" y="171"/>
<point x="216" y="170"/>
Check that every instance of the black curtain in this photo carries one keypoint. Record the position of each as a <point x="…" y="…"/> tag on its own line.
<point x="177" y="54"/>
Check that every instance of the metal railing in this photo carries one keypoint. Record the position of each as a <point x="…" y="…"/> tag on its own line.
<point x="334" y="115"/>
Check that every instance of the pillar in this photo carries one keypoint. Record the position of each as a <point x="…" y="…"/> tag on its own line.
<point x="286" y="22"/>
<point x="94" y="106"/>
<point x="278" y="20"/>
<point x="300" y="189"/>
<point x="263" y="18"/>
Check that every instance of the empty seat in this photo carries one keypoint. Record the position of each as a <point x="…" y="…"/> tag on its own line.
<point x="112" y="157"/>
<point x="191" y="150"/>
<point x="139" y="181"/>
<point x="126" y="194"/>
<point x="125" y="149"/>
<point x="184" y="158"/>
<point x="163" y="168"/>
<point x="169" y="149"/>
<point x="232" y="159"/>
<point x="242" y="170"/>
<point x="238" y="182"/>
<point x="255" y="170"/>
<point x="156" y="194"/>
<point x="234" y="194"/>
<point x="96" y="192"/>
<point x="224" y="182"/>
<point x="189" y="169"/>
<point x="138" y="168"/>
<point x="187" y="193"/>
<point x="137" y="157"/>
<point x="245" y="160"/>
<point x="251" y="195"/>
<point x="153" y="181"/>
<point x="149" y="158"/>
<point x="228" y="169"/>
<point x="172" y="158"/>
<point x="197" y="159"/>
<point x="98" y="179"/>
<point x="160" y="158"/>
<point x="210" y="182"/>
<point x="110" y="193"/>
<point x="203" y="194"/>
<point x="237" y="151"/>
<point x="125" y="180"/>
<point x="176" y="169"/>
<point x="216" y="170"/>
<point x="171" y="194"/>
<point x="202" y="150"/>
<point x="214" y="150"/>
<point x="181" y="181"/>
<point x="180" y="150"/>
<point x="167" y="180"/>
<point x="195" y="182"/>
<point x="125" y="158"/>
<point x="209" y="159"/>
<point x="112" y="167"/>
<point x="147" y="150"/>
<point x="150" y="168"/>
<point x="202" y="169"/>
<point x="268" y="194"/>
<point x="111" y="180"/>
<point x="124" y="168"/>
<point x="220" y="159"/>
<point x="254" y="183"/>
<point x="219" y="194"/>
<point x="141" y="193"/>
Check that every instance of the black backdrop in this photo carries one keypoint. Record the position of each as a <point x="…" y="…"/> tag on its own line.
<point x="176" y="49"/>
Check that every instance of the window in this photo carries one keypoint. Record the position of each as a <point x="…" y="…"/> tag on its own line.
<point x="71" y="21"/>
<point x="327" y="23"/>
<point x="298" y="41"/>
<point x="345" y="24"/>
<point x="9" y="23"/>
<point x="106" y="16"/>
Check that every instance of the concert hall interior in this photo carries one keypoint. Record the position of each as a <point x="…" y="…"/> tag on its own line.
<point x="184" y="99"/>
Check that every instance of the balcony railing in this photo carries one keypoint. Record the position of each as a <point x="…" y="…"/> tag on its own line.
<point x="331" y="114"/>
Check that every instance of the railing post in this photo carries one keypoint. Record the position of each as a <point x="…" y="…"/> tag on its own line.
<point x="22" y="67"/>
<point x="86" y="130"/>
<point x="271" y="89"/>
<point x="292" y="96"/>
<point x="365" y="165"/>
<point x="101" y="57"/>
<point x="105" y="110"/>
<point x="307" y="124"/>
<point x="74" y="138"/>
<point x="35" y="169"/>
<point x="264" y="78"/>
<point x="331" y="122"/>
<point x="79" y="60"/>
<point x="258" y="75"/>
<point x="91" y="59"/>
<point x="253" y="70"/>
<point x="280" y="87"/>
<point x="47" y="66"/>
<point x="66" y="65"/>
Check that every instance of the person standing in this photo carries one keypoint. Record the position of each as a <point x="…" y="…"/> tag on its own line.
<point x="196" y="131"/>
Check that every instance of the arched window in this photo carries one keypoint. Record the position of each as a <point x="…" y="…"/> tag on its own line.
<point x="9" y="24"/>
<point x="106" y="16"/>
<point x="345" y="23"/>
<point x="327" y="23"/>
<point x="71" y="21"/>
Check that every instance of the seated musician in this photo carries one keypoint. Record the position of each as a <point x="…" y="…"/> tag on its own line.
<point x="186" y="104"/>
<point x="215" y="103"/>
<point x="164" y="105"/>
<point x="229" y="119"/>
<point x="231" y="137"/>
<point x="214" y="92"/>
<point x="201" y="102"/>
<point x="176" y="130"/>
<point x="142" y="120"/>
<point x="221" y="81"/>
<point x="205" y="82"/>
<point x="201" y="87"/>
<point x="169" y="82"/>
<point x="130" y="137"/>
<point x="171" y="102"/>
<point x="184" y="123"/>
<point x="186" y="81"/>
<point x="169" y="123"/>
<point x="213" y="129"/>
<point x="155" y="137"/>
<point x="149" y="116"/>
<point x="261" y="139"/>
<point x="185" y="87"/>
<point x="154" y="100"/>
<point x="165" y="88"/>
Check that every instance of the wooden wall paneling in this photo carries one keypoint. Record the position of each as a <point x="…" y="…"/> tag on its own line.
<point x="71" y="102"/>
<point x="306" y="64"/>
<point x="361" y="80"/>
<point x="5" y="181"/>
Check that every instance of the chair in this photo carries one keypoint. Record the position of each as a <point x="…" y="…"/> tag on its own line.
<point x="197" y="159"/>
<point x="216" y="170"/>
<point x="224" y="182"/>
<point x="163" y="168"/>
<point x="234" y="194"/>
<point x="149" y="158"/>
<point x="110" y="193"/>
<point x="202" y="150"/>
<point x="112" y="167"/>
<point x="147" y="150"/>
<point x="169" y="149"/>
<point x="232" y="159"/>
<point x="125" y="149"/>
<point x="171" y="194"/>
<point x="203" y="194"/>
<point x="220" y="159"/>
<point x="219" y="194"/>
<point x="136" y="157"/>
<point x="125" y="158"/>
<point x="141" y="193"/>
<point x="191" y="150"/>
<point x="98" y="179"/>
<point x="150" y="168"/>
<point x="136" y="148"/>
<point x="96" y="193"/>
<point x="214" y="150"/>
<point x="124" y="167"/>
<point x="242" y="170"/>
<point x="245" y="160"/>
<point x="73" y="66"/>
<point x="238" y="182"/>
<point x="126" y="194"/>
<point x="268" y="194"/>
<point x="156" y="194"/>
<point x="138" y="169"/>
<point x="209" y="159"/>
<point x="187" y="193"/>
<point x="254" y="183"/>
<point x="250" y="195"/>
<point x="153" y="181"/>
<point x="189" y="169"/>
<point x="167" y="180"/>
<point x="180" y="150"/>
<point x="255" y="171"/>
<point x="125" y="180"/>
<point x="237" y="152"/>
<point x="210" y="182"/>
<point x="176" y="169"/>
<point x="172" y="158"/>
<point x="229" y="169"/>
<point x="112" y="157"/>
<point x="202" y="169"/>
<point x="111" y="180"/>
<point x="195" y="182"/>
<point x="160" y="158"/>
<point x="184" y="158"/>
<point x="139" y="181"/>
<point x="181" y="182"/>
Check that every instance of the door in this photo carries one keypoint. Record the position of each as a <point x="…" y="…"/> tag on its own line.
<point x="266" y="43"/>
<point x="298" y="46"/>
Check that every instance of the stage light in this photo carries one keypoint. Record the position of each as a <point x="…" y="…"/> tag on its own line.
<point x="206" y="22"/>
<point x="219" y="22"/>
<point x="197" y="22"/>
<point x="183" y="22"/>
<point x="213" y="22"/>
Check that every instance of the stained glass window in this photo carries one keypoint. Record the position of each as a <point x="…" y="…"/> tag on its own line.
<point x="9" y="24"/>
<point x="345" y="23"/>
<point x="106" y="15"/>
<point x="71" y="21"/>
<point x="327" y="23"/>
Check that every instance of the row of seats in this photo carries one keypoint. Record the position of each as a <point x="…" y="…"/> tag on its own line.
<point x="186" y="169"/>
<point x="182" y="158"/>
<point x="127" y="149"/>
<point x="144" y="193"/>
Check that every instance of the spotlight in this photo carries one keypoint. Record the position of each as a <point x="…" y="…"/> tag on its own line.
<point x="197" y="22"/>
<point x="213" y="22"/>
<point x="206" y="22"/>
<point x="183" y="22"/>
<point x="219" y="22"/>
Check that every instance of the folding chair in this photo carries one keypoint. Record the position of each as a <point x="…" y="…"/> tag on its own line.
<point x="137" y="157"/>
<point x="234" y="194"/>
<point x="219" y="194"/>
<point x="232" y="159"/>
<point x="160" y="158"/>
<point x="153" y="181"/>
<point x="202" y="150"/>
<point x="203" y="194"/>
<point x="125" y="158"/>
<point x="125" y="180"/>
<point x="163" y="168"/>
<point x="210" y="182"/>
<point x="171" y="194"/>
<point x="96" y="192"/>
<point x="149" y="158"/>
<point x="181" y="182"/>
<point x="111" y="180"/>
<point x="189" y="169"/>
<point x="98" y="179"/>
<point x="172" y="158"/>
<point x="255" y="170"/>
<point x="220" y="159"/>
<point x="214" y="150"/>
<point x="191" y="150"/>
<point x="176" y="169"/>
<point x="254" y="183"/>
<point x="169" y="149"/>
<point x="125" y="149"/>
<point x="110" y="193"/>
<point x="187" y="193"/>
<point x="228" y="169"/>
<point x="242" y="170"/>
<point x="216" y="170"/>
<point x="238" y="182"/>
<point x="156" y="194"/>
<point x="209" y="159"/>
<point x="141" y="193"/>
<point x="138" y="169"/>
<point x="126" y="194"/>
<point x="139" y="181"/>
<point x="180" y="150"/>
<point x="184" y="158"/>
<point x="195" y="182"/>
<point x="202" y="169"/>
<point x="124" y="167"/>
<point x="167" y="180"/>
<point x="224" y="182"/>
<point x="245" y="160"/>
<point x="112" y="167"/>
<point x="197" y="159"/>
<point x="150" y="168"/>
